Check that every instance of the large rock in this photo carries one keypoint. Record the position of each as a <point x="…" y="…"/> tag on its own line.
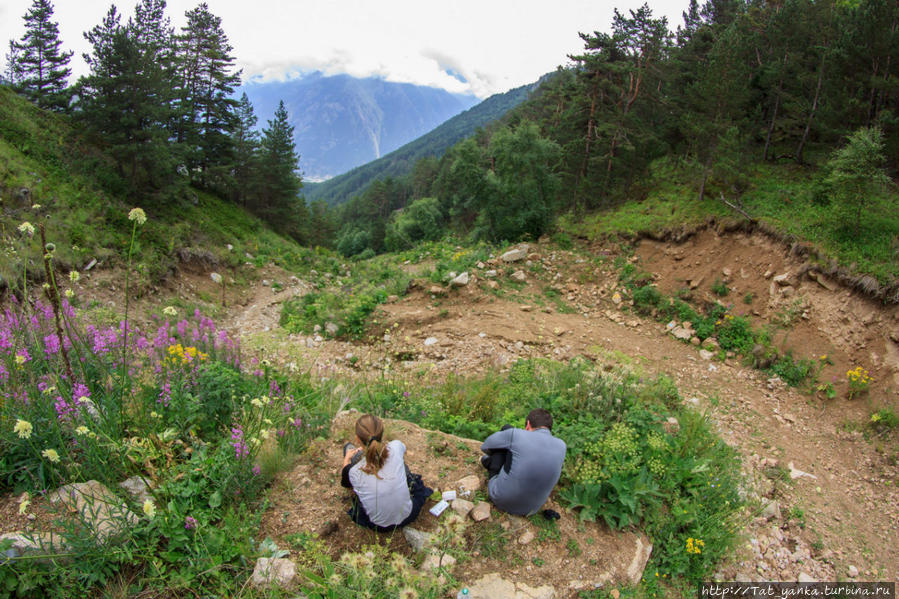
<point x="494" y="586"/>
<point x="97" y="506"/>
<point x="32" y="544"/>
<point x="642" y="551"/>
<point x="460" y="281"/>
<point x="682" y="333"/>
<point x="274" y="572"/>
<point x="514" y="255"/>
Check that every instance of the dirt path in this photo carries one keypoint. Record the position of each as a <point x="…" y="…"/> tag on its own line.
<point x="843" y="513"/>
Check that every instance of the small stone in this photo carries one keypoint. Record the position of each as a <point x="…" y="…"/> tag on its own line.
<point x="279" y="572"/>
<point x="671" y="426"/>
<point x="417" y="539"/>
<point x="525" y="308"/>
<point x="519" y="275"/>
<point x="469" y="483"/>
<point x="771" y="511"/>
<point x="490" y="274"/>
<point x="706" y="354"/>
<point x="480" y="512"/>
<point x="460" y="281"/>
<point x="462" y="507"/>
<point x="430" y="341"/>
<point x="615" y="593"/>
<point x="436" y="290"/>
<point x="616" y="298"/>
<point x="803" y="577"/>
<point x="695" y="341"/>
<point x="852" y="571"/>
<point x="526" y="538"/>
<point x="434" y="561"/>
<point x="266" y="283"/>
<point x="331" y="328"/>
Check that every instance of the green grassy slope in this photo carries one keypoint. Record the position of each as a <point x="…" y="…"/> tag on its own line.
<point x="44" y="162"/>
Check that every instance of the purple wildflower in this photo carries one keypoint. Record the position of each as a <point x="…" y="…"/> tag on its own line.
<point x="257" y="470"/>
<point x="165" y="395"/>
<point x="240" y="448"/>
<point x="190" y="523"/>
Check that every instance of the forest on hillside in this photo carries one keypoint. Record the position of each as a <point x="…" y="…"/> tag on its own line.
<point x="160" y="105"/>
<point x="803" y="84"/>
<point x="741" y="82"/>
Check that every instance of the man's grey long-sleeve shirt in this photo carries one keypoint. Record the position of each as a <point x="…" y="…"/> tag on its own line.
<point x="537" y="459"/>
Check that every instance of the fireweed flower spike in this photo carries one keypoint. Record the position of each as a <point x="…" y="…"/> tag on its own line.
<point x="137" y="215"/>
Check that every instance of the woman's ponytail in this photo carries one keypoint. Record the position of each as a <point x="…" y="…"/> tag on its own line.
<point x="370" y="431"/>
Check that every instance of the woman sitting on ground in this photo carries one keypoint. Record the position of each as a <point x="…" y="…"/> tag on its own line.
<point x="388" y="495"/>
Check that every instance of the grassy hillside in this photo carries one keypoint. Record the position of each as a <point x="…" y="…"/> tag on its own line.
<point x="48" y="175"/>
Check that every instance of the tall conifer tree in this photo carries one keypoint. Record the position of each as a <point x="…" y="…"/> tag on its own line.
<point x="207" y="117"/>
<point x="279" y="202"/>
<point x="38" y="67"/>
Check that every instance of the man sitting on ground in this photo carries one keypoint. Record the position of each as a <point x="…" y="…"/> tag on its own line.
<point x="523" y="465"/>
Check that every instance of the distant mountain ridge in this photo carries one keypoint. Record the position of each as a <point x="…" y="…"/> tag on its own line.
<point x="434" y="143"/>
<point x="342" y="122"/>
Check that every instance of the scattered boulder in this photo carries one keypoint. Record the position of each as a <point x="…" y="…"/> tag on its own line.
<point x="436" y="290"/>
<point x="97" y="506"/>
<point x="783" y="280"/>
<point x="514" y="255"/>
<point x="461" y="280"/>
<point x="706" y="354"/>
<point x="681" y="333"/>
<point x="331" y="328"/>
<point x="490" y="274"/>
<point x="494" y="586"/>
<point x="519" y="275"/>
<point x="274" y="572"/>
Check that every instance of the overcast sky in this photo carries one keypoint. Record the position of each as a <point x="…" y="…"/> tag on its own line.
<point x="494" y="45"/>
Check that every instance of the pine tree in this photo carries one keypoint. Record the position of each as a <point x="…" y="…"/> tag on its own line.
<point x="127" y="99"/>
<point x="246" y="142"/>
<point x="279" y="202"/>
<point x="39" y="69"/>
<point x="206" y="107"/>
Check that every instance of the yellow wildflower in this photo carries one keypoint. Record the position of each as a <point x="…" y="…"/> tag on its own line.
<point x="74" y="276"/>
<point x="170" y="311"/>
<point x="23" y="428"/>
<point x="24" y="503"/>
<point x="149" y="508"/>
<point x="27" y="228"/>
<point x="51" y="455"/>
<point x="81" y="431"/>
<point x="256" y="402"/>
<point x="69" y="293"/>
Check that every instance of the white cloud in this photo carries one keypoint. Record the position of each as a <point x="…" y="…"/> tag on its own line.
<point x="494" y="45"/>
